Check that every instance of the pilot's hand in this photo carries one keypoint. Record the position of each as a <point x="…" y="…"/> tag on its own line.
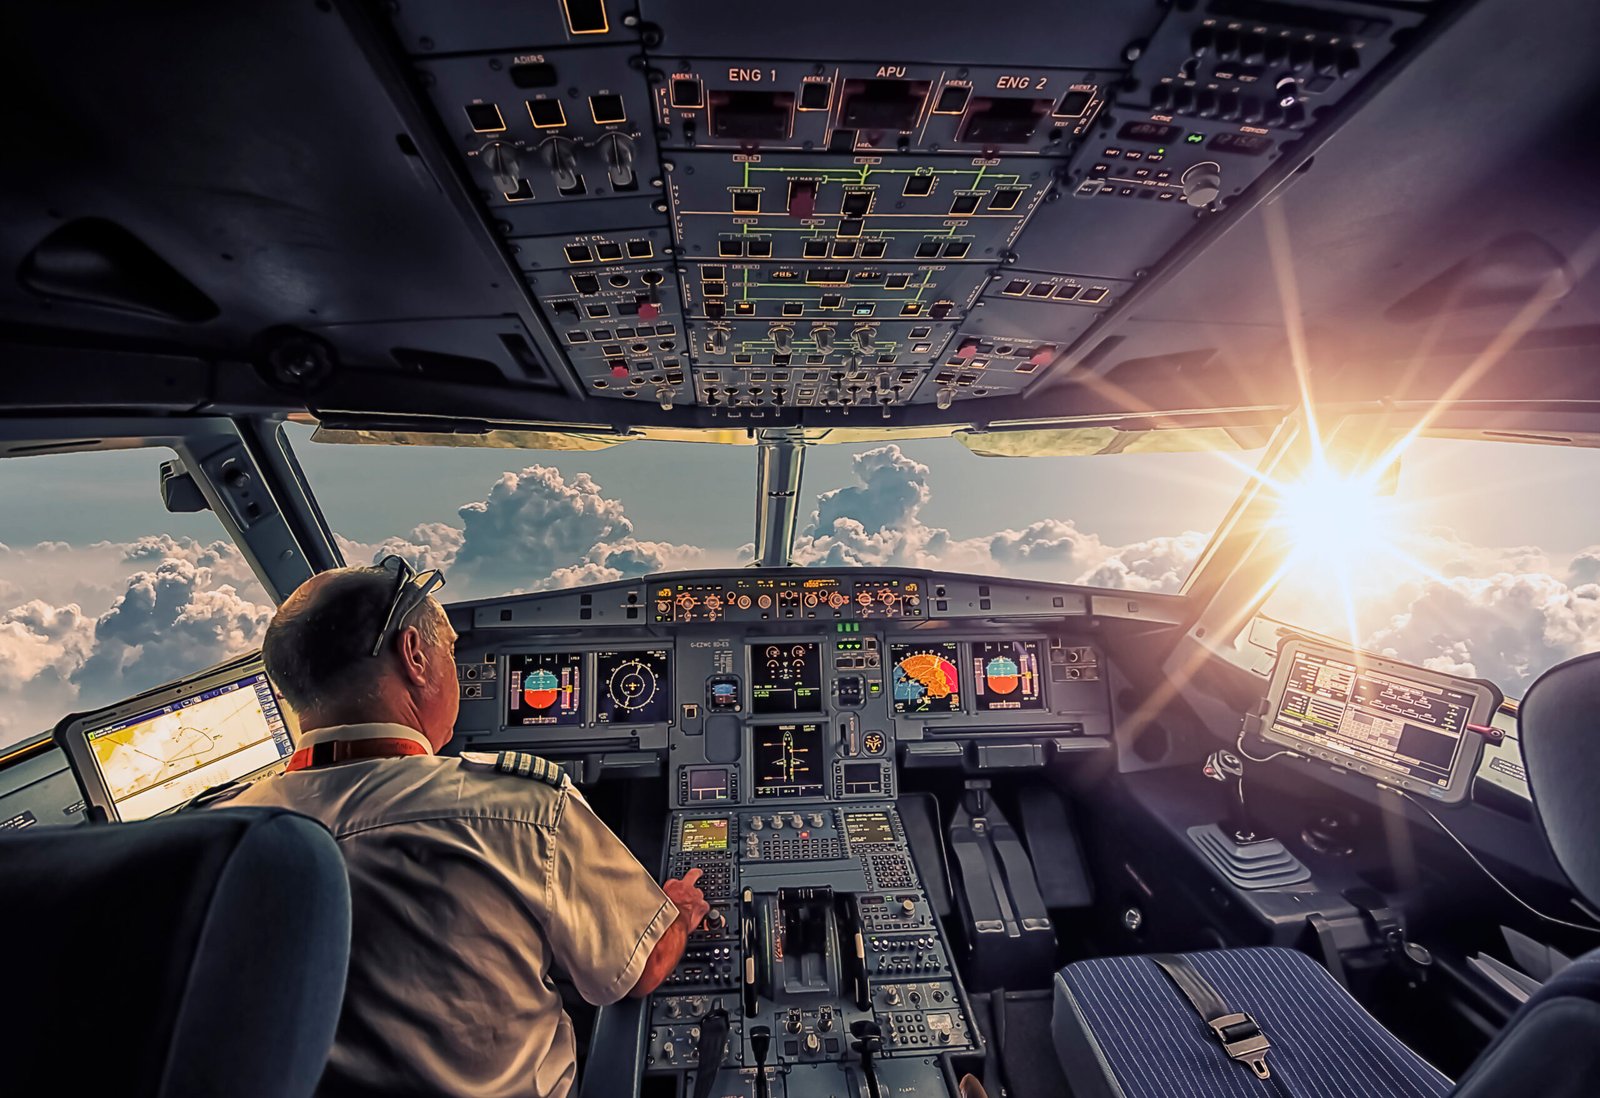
<point x="687" y="898"/>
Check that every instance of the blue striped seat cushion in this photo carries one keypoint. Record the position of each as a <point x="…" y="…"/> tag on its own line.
<point x="1123" y="1029"/>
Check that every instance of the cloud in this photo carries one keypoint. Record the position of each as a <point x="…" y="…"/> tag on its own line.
<point x="533" y="531"/>
<point x="878" y="522"/>
<point x="1157" y="564"/>
<point x="187" y="606"/>
<point x="1508" y="628"/>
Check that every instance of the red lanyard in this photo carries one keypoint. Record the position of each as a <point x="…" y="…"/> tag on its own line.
<point x="330" y="752"/>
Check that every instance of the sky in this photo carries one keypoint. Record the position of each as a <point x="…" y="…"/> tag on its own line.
<point x="1494" y="570"/>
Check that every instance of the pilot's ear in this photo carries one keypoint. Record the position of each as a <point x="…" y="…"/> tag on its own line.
<point x="414" y="656"/>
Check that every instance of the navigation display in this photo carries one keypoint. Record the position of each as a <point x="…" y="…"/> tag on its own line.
<point x="1005" y="675"/>
<point x="788" y="760"/>
<point x="633" y="687"/>
<point x="544" y="688"/>
<point x="786" y="677"/>
<point x="1407" y="726"/>
<point x="157" y="760"/>
<point x="700" y="835"/>
<point x="926" y="679"/>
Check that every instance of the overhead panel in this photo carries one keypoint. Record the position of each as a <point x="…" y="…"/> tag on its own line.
<point x="865" y="207"/>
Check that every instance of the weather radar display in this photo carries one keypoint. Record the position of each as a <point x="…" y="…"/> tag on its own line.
<point x="632" y="687"/>
<point x="546" y="688"/>
<point x="925" y="678"/>
<point x="1006" y="675"/>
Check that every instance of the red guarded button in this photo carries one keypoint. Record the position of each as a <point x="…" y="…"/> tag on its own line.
<point x="968" y="348"/>
<point x="619" y="371"/>
<point x="649" y="310"/>
<point x="1043" y="356"/>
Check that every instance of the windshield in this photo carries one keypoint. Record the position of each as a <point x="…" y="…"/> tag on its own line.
<point x="1481" y="558"/>
<point x="103" y="593"/>
<point x="506" y="521"/>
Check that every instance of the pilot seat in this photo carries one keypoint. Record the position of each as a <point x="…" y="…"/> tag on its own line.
<point x="1238" y="1023"/>
<point x="196" y="954"/>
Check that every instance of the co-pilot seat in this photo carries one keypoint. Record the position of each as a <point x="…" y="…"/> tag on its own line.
<point x="1124" y="1029"/>
<point x="196" y="954"/>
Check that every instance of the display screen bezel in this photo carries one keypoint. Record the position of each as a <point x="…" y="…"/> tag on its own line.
<point x="1041" y="675"/>
<point x="892" y="665"/>
<point x="598" y="690"/>
<point x="1485" y="696"/>
<point x="760" y="790"/>
<point x="586" y="670"/>
<point x="73" y="733"/>
<point x="753" y="652"/>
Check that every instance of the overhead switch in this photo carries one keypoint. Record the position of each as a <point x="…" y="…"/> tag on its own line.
<point x="618" y="152"/>
<point x="802" y="198"/>
<point x="501" y="160"/>
<point x="561" y="157"/>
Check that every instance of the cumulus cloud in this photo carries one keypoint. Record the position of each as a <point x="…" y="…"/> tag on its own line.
<point x="534" y="530"/>
<point x="185" y="606"/>
<point x="1507" y="628"/>
<point x="878" y="522"/>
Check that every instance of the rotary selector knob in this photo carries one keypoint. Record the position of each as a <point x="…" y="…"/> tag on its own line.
<point x="822" y="336"/>
<point x="1202" y="183"/>
<point x="816" y="819"/>
<point x="715" y="919"/>
<point x="561" y="157"/>
<point x="797" y="821"/>
<point x="757" y="823"/>
<point x="717" y="341"/>
<point x="777" y="821"/>
<point x="504" y="167"/>
<point x="866" y="338"/>
<point x="825" y="1021"/>
<point x="782" y="338"/>
<point x="811" y="1043"/>
<point x="892" y="996"/>
<point x="908" y="907"/>
<point x="618" y="153"/>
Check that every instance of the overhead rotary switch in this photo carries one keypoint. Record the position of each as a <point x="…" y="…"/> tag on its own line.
<point x="618" y="153"/>
<point x="1202" y="183"/>
<point x="865" y="337"/>
<point x="504" y="168"/>
<point x="717" y="341"/>
<point x="822" y="336"/>
<point x="782" y="338"/>
<point x="561" y="157"/>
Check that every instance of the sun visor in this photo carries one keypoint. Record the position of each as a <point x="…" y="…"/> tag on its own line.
<point x="1092" y="441"/>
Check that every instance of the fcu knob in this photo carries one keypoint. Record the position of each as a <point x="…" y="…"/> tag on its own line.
<point x="1202" y="183"/>
<point x="504" y="168"/>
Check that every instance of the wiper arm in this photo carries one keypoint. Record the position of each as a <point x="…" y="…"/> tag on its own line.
<point x="780" y="462"/>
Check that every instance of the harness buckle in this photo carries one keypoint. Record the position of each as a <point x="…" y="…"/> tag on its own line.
<point x="1243" y="1040"/>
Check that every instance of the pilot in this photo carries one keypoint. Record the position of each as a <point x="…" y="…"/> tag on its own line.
<point x="472" y="878"/>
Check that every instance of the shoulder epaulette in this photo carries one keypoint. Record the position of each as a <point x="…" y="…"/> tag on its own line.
<point x="523" y="764"/>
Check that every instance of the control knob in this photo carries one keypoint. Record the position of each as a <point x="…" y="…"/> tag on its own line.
<point x="618" y="153"/>
<point x="668" y="1052"/>
<point x="715" y="920"/>
<point x="908" y="907"/>
<point x="865" y="337"/>
<point x="797" y="821"/>
<point x="892" y="996"/>
<point x="561" y="157"/>
<point x="811" y="1043"/>
<point x="777" y="821"/>
<point x="757" y="823"/>
<point x="717" y="341"/>
<point x="822" y="336"/>
<point x="792" y="1023"/>
<point x="782" y="338"/>
<point x="825" y="1020"/>
<point x="816" y="819"/>
<point x="501" y="160"/>
<point x="1202" y="183"/>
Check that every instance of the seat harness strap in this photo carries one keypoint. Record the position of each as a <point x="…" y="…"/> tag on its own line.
<point x="1238" y="1033"/>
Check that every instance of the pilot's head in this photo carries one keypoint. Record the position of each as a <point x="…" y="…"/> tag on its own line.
<point x="319" y="653"/>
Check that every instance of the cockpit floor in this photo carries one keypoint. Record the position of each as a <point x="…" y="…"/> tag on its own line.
<point x="1027" y="1055"/>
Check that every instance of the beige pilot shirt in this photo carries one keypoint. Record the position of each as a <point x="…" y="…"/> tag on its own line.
<point x="468" y="885"/>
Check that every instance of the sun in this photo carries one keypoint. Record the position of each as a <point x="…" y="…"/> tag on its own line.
<point x="1335" y="519"/>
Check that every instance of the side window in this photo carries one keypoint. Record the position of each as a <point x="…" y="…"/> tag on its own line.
<point x="103" y="593"/>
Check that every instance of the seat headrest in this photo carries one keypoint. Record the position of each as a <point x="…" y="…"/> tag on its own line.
<point x="1558" y="725"/>
<point x="202" y="953"/>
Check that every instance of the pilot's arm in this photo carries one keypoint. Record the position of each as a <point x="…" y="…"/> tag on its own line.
<point x="612" y="928"/>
